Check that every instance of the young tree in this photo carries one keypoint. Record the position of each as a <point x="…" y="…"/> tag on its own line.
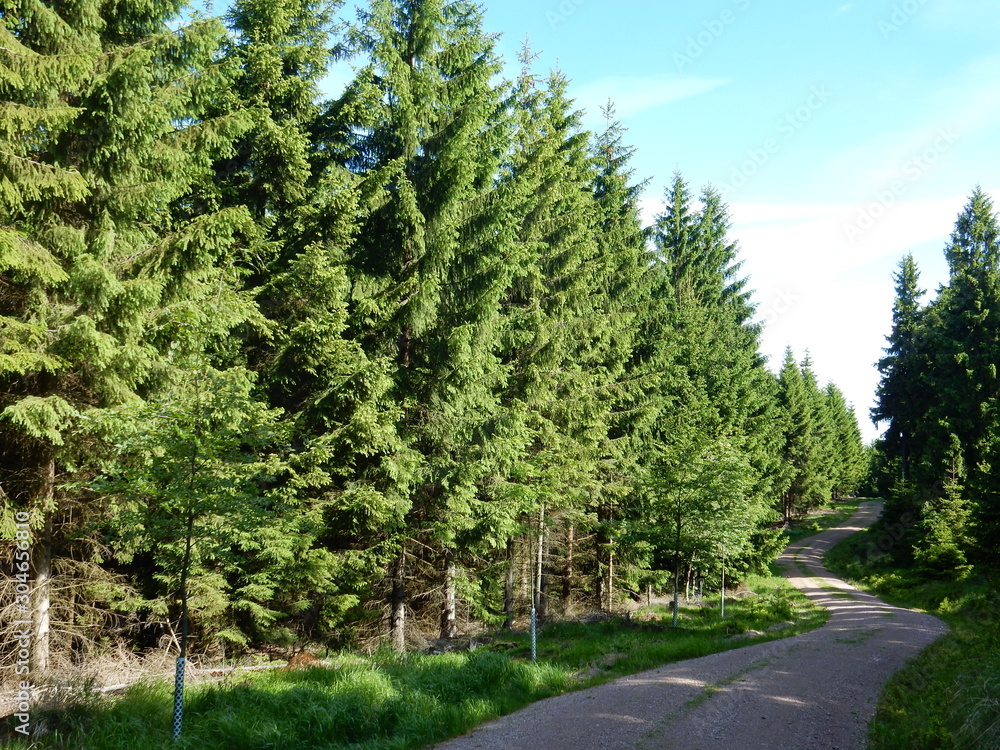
<point x="943" y="532"/>
<point x="700" y="502"/>
<point x="103" y="136"/>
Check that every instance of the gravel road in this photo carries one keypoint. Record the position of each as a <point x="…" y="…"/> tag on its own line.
<point x="816" y="691"/>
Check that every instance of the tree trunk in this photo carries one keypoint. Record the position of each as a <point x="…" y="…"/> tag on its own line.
<point x="527" y="585"/>
<point x="568" y="573"/>
<point x="41" y="555"/>
<point x="397" y="615"/>
<point x="449" y="629"/>
<point x="605" y="558"/>
<point x="544" y="577"/>
<point x="677" y="569"/>
<point x="610" y="586"/>
<point x="508" y="588"/>
<point x="540" y="589"/>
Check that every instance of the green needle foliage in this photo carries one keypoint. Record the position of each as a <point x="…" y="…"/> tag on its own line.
<point x="105" y="276"/>
<point x="937" y="397"/>
<point x="397" y="363"/>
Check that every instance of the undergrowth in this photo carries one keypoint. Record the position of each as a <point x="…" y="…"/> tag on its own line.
<point x="388" y="701"/>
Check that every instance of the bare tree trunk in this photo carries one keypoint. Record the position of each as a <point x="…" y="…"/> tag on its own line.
<point x="397" y="615"/>
<point x="677" y="568"/>
<point x="41" y="555"/>
<point x="544" y="578"/>
<point x="568" y="572"/>
<point x="541" y="590"/>
<point x="605" y="558"/>
<point x="508" y="588"/>
<point x="527" y="585"/>
<point x="610" y="587"/>
<point x="448" y="627"/>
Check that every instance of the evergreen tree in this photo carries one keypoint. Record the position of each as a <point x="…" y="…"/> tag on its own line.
<point x="943" y="532"/>
<point x="104" y="278"/>
<point x="802" y="453"/>
<point x="720" y="386"/>
<point x="635" y="349"/>
<point x="289" y="170"/>
<point x="899" y="397"/>
<point x="850" y="462"/>
<point x="824" y="435"/>
<point x="962" y="345"/>
<point x="432" y="259"/>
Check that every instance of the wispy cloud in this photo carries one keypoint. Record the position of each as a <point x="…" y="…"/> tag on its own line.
<point x="971" y="17"/>
<point x="633" y="95"/>
<point x="844" y="9"/>
<point x="966" y="106"/>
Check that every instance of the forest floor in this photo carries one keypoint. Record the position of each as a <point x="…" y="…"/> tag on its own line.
<point x="816" y="691"/>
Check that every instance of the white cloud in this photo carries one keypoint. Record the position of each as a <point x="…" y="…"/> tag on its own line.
<point x="817" y="291"/>
<point x="955" y="113"/>
<point x="633" y="95"/>
<point x="844" y="9"/>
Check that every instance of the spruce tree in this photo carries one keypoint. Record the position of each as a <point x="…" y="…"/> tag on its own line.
<point x="432" y="259"/>
<point x="899" y="397"/>
<point x="719" y="386"/>
<point x="850" y="462"/>
<point x="944" y="530"/>
<point x="556" y="334"/>
<point x="290" y="170"/>
<point x="635" y="346"/>
<point x="824" y="434"/>
<point x="802" y="452"/>
<point x="962" y="344"/>
<point x="104" y="277"/>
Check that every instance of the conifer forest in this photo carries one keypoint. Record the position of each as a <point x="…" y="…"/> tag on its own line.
<point x="279" y="370"/>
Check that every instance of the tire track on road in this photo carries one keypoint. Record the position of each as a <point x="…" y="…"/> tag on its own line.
<point x="815" y="691"/>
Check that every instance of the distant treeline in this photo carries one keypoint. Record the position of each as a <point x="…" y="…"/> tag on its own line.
<point x="313" y="368"/>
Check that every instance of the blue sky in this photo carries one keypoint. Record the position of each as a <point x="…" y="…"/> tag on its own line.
<point x="842" y="134"/>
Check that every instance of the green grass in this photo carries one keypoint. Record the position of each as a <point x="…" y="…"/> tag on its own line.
<point x="393" y="702"/>
<point x="823" y="519"/>
<point x="948" y="698"/>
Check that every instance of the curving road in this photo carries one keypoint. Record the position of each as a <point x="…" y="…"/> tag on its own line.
<point x="816" y="691"/>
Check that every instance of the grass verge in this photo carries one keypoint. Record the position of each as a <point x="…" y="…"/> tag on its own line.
<point x="397" y="702"/>
<point x="948" y="698"/>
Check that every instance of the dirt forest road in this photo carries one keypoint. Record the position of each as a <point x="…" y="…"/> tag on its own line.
<point x="816" y="691"/>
